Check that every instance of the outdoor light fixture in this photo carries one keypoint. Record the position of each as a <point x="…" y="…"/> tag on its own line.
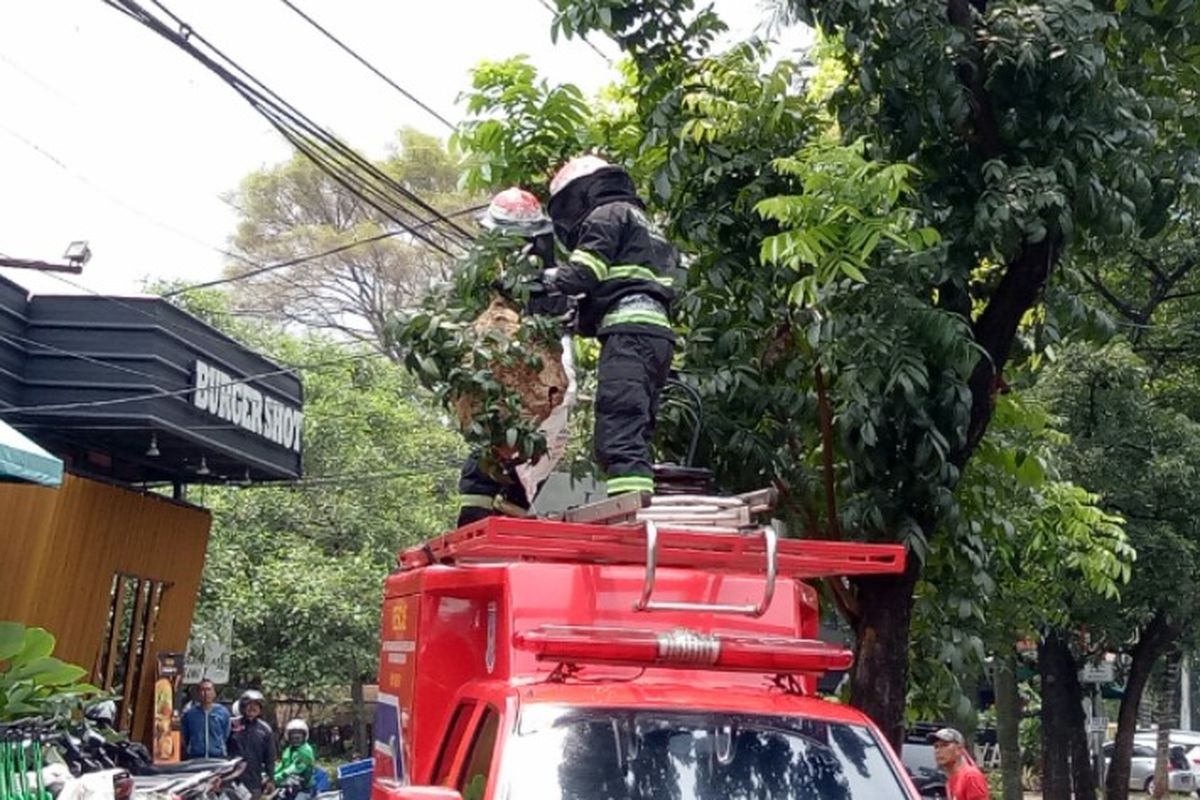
<point x="78" y="253"/>
<point x="152" y="450"/>
<point x="204" y="470"/>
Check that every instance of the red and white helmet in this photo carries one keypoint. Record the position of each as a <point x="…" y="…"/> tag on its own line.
<point x="578" y="167"/>
<point x="517" y="212"/>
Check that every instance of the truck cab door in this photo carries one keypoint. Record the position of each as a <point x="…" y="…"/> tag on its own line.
<point x="475" y="776"/>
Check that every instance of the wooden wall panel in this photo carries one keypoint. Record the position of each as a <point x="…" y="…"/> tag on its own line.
<point x="59" y="549"/>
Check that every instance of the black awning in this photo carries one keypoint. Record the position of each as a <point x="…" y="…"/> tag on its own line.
<point x="141" y="391"/>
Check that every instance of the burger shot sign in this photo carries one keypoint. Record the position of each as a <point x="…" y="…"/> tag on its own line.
<point x="240" y="404"/>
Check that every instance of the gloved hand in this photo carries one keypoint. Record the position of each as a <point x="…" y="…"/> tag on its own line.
<point x="545" y="302"/>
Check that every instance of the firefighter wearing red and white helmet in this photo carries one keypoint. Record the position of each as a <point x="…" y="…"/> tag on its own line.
<point x="517" y="212"/>
<point x="513" y="212"/>
<point x="621" y="270"/>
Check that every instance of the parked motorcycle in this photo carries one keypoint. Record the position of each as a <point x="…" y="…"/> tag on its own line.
<point x="38" y="761"/>
<point x="199" y="779"/>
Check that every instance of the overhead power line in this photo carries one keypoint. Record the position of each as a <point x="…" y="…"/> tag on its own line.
<point x="186" y="332"/>
<point x="291" y="262"/>
<point x="133" y="398"/>
<point x="86" y="181"/>
<point x="369" y="65"/>
<point x="22" y="341"/>
<point x="350" y="477"/>
<point x="546" y="5"/>
<point x="339" y="161"/>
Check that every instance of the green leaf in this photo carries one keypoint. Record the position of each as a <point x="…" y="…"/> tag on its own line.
<point x="39" y="643"/>
<point x="12" y="639"/>
<point x="852" y="272"/>
<point x="58" y="674"/>
<point x="1031" y="472"/>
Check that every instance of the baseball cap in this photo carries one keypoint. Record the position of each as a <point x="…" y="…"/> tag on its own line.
<point x="946" y="735"/>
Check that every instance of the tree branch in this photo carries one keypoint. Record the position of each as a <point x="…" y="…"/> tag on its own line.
<point x="825" y="414"/>
<point x="996" y="328"/>
<point x="1181" y="296"/>
<point x="1126" y="310"/>
<point x="970" y="75"/>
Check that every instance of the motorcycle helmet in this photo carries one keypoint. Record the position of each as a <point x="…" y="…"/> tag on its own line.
<point x="296" y="726"/>
<point x="251" y="696"/>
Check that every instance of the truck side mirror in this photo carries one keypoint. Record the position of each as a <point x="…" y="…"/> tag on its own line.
<point x="415" y="793"/>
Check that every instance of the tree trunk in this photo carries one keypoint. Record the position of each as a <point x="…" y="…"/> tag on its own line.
<point x="879" y="678"/>
<point x="1066" y="765"/>
<point x="1153" y="639"/>
<point x="360" y="718"/>
<point x="1082" y="775"/>
<point x="1164" y="718"/>
<point x="1008" y="722"/>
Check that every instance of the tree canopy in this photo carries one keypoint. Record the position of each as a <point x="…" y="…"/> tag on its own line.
<point x="301" y="565"/>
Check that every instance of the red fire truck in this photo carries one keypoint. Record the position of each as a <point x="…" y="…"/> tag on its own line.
<point x="528" y="659"/>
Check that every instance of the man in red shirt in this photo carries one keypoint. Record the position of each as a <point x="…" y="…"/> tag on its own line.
<point x="964" y="780"/>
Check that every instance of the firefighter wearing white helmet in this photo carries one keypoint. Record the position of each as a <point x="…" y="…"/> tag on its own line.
<point x="513" y="212"/>
<point x="622" y="271"/>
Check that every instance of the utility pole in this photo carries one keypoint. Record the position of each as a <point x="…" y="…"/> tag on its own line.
<point x="1185" y="694"/>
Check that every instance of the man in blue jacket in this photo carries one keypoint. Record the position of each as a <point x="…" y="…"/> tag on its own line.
<point x="205" y="726"/>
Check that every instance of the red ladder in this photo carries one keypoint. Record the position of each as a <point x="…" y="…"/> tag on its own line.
<point x="649" y="545"/>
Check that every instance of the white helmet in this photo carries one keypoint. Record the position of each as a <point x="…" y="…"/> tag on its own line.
<point x="578" y="167"/>
<point x="518" y="212"/>
<point x="297" y="725"/>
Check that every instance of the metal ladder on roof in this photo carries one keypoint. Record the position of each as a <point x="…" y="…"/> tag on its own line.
<point x="654" y="546"/>
<point x="702" y="513"/>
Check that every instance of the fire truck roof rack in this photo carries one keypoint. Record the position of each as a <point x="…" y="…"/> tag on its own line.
<point x="654" y="545"/>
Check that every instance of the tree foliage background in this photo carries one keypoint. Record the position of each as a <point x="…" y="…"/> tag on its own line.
<point x="301" y="565"/>
<point x="905" y="256"/>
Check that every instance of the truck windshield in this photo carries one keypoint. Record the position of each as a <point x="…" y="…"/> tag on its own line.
<point x="564" y="753"/>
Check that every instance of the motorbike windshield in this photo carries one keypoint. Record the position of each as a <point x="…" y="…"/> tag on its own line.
<point x="561" y="753"/>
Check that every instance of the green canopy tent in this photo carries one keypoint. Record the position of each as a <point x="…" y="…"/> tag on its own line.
<point x="23" y="461"/>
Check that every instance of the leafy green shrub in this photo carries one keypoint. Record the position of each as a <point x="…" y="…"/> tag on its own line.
<point x="32" y="682"/>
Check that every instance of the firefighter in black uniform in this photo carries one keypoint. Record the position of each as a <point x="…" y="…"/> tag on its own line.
<point x="620" y="271"/>
<point x="514" y="212"/>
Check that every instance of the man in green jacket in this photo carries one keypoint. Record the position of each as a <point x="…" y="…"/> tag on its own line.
<point x="298" y="762"/>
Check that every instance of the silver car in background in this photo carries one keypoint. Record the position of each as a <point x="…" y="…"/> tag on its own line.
<point x="1141" y="768"/>
<point x="1188" y="740"/>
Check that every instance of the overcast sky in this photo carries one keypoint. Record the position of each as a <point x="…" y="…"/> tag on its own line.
<point x="111" y="134"/>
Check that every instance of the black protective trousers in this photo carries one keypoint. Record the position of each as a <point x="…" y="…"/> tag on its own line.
<point x="633" y="370"/>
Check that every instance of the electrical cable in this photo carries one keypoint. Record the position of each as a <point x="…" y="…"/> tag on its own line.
<point x="175" y="392"/>
<point x="218" y="337"/>
<point x="387" y="195"/>
<point x="302" y="259"/>
<point x="22" y="341"/>
<point x="119" y="200"/>
<point x="260" y="99"/>
<point x="369" y="66"/>
<point x="348" y="477"/>
<point x="586" y="40"/>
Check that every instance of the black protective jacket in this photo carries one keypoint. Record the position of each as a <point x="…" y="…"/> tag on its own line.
<point x="254" y="742"/>
<point x="620" y="266"/>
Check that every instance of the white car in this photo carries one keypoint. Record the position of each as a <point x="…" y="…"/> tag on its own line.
<point x="1141" y="767"/>
<point x="1188" y="740"/>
